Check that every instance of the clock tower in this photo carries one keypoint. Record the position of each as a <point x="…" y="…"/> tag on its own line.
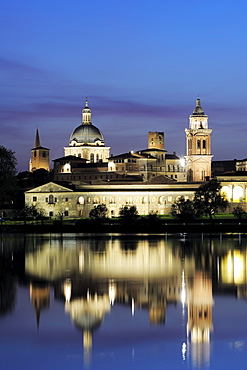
<point x="198" y="145"/>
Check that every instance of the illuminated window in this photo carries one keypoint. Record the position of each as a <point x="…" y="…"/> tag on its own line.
<point x="81" y="200"/>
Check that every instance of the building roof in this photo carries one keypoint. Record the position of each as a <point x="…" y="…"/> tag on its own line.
<point x="152" y="150"/>
<point x="40" y="147"/>
<point x="136" y="155"/>
<point x="70" y="158"/>
<point x="86" y="134"/>
<point x="172" y="156"/>
<point x="162" y="180"/>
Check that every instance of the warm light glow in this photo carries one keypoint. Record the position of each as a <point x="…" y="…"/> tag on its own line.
<point x="183" y="290"/>
<point x="112" y="292"/>
<point x="182" y="162"/>
<point x="233" y="268"/>
<point x="132" y="307"/>
<point x="226" y="192"/>
<point x="67" y="289"/>
<point x="237" y="193"/>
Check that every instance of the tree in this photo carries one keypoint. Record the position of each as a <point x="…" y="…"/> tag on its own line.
<point x="239" y="212"/>
<point x="184" y="210"/>
<point x="128" y="214"/>
<point x="7" y="176"/>
<point x="99" y="212"/>
<point x="208" y="200"/>
<point x="26" y="212"/>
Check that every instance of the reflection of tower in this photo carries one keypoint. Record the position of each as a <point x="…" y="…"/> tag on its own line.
<point x="157" y="302"/>
<point x="198" y="143"/>
<point x="40" y="156"/>
<point x="40" y="296"/>
<point x="200" y="302"/>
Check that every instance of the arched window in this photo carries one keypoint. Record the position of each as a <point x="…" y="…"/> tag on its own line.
<point x="51" y="199"/>
<point x="144" y="200"/>
<point x="96" y="200"/>
<point x="80" y="200"/>
<point x="91" y="158"/>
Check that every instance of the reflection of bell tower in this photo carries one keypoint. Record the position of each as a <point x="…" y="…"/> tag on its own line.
<point x="40" y="156"/>
<point x="40" y="296"/>
<point x="200" y="302"/>
<point x="198" y="145"/>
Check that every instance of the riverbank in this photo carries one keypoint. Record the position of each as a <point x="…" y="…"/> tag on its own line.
<point x="219" y="225"/>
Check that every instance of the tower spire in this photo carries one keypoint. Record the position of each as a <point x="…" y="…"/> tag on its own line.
<point x="37" y="139"/>
<point x="86" y="114"/>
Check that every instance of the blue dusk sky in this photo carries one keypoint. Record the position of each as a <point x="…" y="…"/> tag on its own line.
<point x="142" y="64"/>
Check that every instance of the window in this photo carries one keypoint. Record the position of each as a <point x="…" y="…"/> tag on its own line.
<point x="91" y="158"/>
<point x="204" y="144"/>
<point x="43" y="154"/>
<point x="198" y="144"/>
<point x="97" y="158"/>
<point x="50" y="214"/>
<point x="51" y="199"/>
<point x="81" y="200"/>
<point x="66" y="199"/>
<point x="66" y="213"/>
<point x="34" y="199"/>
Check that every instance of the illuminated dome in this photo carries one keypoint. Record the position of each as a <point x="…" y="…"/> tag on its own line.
<point x="86" y="133"/>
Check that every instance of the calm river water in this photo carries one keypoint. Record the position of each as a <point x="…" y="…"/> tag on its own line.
<point x="112" y="301"/>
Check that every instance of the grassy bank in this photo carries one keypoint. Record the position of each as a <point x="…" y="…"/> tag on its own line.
<point x="221" y="223"/>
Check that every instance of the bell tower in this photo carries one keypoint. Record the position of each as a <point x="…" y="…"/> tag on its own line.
<point x="198" y="145"/>
<point x="40" y="156"/>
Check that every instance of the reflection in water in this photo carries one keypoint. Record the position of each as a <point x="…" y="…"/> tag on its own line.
<point x="91" y="275"/>
<point x="40" y="296"/>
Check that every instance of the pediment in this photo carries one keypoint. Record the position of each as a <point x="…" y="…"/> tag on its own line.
<point x="50" y="187"/>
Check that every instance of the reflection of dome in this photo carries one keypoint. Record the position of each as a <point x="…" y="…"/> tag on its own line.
<point x="88" y="321"/>
<point x="198" y="111"/>
<point x="86" y="134"/>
